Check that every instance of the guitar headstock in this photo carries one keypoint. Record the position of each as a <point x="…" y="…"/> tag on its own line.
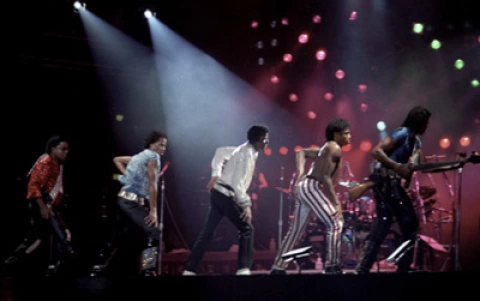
<point x="474" y="157"/>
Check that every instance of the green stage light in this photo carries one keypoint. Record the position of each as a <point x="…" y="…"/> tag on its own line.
<point x="459" y="64"/>
<point x="436" y="44"/>
<point x="475" y="83"/>
<point x="418" y="28"/>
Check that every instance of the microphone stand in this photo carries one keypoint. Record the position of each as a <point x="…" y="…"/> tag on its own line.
<point x="280" y="215"/>
<point x="160" y="227"/>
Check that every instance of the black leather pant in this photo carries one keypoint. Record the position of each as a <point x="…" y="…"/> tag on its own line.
<point x="391" y="201"/>
<point x="50" y="234"/>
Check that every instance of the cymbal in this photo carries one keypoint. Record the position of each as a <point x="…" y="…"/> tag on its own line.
<point x="348" y="184"/>
<point x="284" y="190"/>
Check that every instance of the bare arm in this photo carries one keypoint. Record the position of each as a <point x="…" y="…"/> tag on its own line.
<point x="121" y="163"/>
<point x="324" y="167"/>
<point x="151" y="219"/>
<point x="300" y="159"/>
<point x="379" y="153"/>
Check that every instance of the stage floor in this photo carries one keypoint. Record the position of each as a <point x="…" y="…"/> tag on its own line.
<point x="309" y="286"/>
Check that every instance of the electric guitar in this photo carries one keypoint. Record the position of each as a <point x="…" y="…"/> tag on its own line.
<point x="358" y="190"/>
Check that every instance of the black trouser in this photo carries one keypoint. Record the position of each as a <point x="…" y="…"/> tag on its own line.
<point x="391" y="201"/>
<point x="220" y="206"/>
<point x="49" y="233"/>
<point x="132" y="216"/>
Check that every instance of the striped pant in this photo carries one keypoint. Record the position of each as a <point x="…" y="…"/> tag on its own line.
<point x="308" y="198"/>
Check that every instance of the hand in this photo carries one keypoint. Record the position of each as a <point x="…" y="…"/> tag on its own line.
<point x="151" y="219"/>
<point x="246" y="215"/>
<point x="403" y="170"/>
<point x="299" y="179"/>
<point x="69" y="235"/>
<point x="44" y="212"/>
<point x="212" y="182"/>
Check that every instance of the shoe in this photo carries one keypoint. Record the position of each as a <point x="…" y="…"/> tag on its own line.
<point x="277" y="272"/>
<point x="188" y="273"/>
<point x="333" y="270"/>
<point x="243" y="272"/>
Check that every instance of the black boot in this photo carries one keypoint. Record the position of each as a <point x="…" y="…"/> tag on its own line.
<point x="367" y="257"/>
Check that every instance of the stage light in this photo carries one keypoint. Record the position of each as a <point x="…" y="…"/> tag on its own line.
<point x="444" y="143"/>
<point x="465" y="141"/>
<point x="365" y="146"/>
<point x="418" y="28"/>
<point x="303" y="38"/>
<point x="293" y="97"/>
<point x="328" y="96"/>
<point x="347" y="148"/>
<point x="287" y="57"/>
<point x="119" y="117"/>
<point x="436" y="44"/>
<point x="267" y="151"/>
<point x="353" y="16"/>
<point x="320" y="55"/>
<point x="283" y="151"/>
<point x="259" y="44"/>
<point x="362" y="88"/>
<point x="459" y="64"/>
<point x="285" y="21"/>
<point x="381" y="126"/>
<point x="475" y="83"/>
<point x="297" y="148"/>
<point x="363" y="107"/>
<point x="261" y="61"/>
<point x="148" y="14"/>
<point x="254" y="24"/>
<point x="317" y="19"/>
<point x="311" y="115"/>
<point x="274" y="43"/>
<point x="340" y="74"/>
<point x="78" y="5"/>
<point x="274" y="79"/>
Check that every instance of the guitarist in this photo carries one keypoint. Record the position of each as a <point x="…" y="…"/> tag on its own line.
<point x="392" y="155"/>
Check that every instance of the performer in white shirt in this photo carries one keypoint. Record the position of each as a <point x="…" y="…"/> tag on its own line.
<point x="232" y="172"/>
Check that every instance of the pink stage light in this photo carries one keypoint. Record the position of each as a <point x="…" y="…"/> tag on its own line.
<point x="283" y="150"/>
<point x="293" y="97"/>
<point x="353" y="16"/>
<point x="347" y="148"/>
<point x="444" y="143"/>
<point x="303" y="38"/>
<point x="365" y="146"/>
<point x="267" y="151"/>
<point x="363" y="107"/>
<point x="285" y="21"/>
<point x="274" y="79"/>
<point x="320" y="55"/>
<point x="317" y="19"/>
<point x="254" y="24"/>
<point x="362" y="88"/>
<point x="287" y="57"/>
<point x="328" y="96"/>
<point x="340" y="74"/>
<point x="465" y="141"/>
<point x="311" y="115"/>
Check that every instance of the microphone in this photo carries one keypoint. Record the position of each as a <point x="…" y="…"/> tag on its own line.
<point x="165" y="167"/>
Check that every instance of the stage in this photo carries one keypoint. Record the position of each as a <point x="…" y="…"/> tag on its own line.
<point x="311" y="286"/>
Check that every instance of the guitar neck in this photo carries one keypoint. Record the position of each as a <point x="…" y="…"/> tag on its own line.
<point x="434" y="165"/>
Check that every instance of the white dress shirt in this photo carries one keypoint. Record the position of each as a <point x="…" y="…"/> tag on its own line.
<point x="236" y="174"/>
